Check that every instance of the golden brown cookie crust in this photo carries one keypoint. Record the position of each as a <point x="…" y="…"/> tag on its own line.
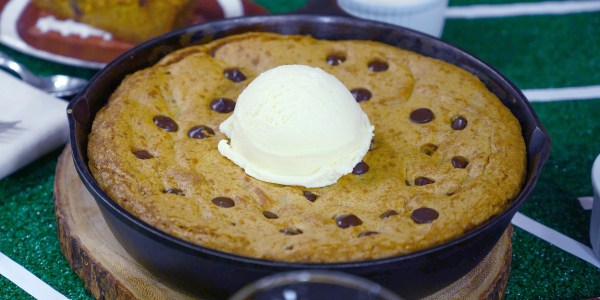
<point x="182" y="85"/>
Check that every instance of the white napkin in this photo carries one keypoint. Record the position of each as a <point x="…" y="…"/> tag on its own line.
<point x="43" y="123"/>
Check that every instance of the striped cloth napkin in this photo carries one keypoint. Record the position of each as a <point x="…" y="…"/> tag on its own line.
<point x="42" y="123"/>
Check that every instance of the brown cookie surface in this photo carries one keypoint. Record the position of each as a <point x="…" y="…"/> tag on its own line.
<point x="465" y="171"/>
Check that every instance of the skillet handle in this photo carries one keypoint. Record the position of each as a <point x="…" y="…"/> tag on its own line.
<point x="322" y="7"/>
<point x="539" y="146"/>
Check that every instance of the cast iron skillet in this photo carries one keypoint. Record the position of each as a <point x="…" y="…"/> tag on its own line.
<point x="214" y="274"/>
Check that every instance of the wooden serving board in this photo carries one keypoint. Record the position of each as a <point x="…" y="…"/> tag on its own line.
<point x="110" y="273"/>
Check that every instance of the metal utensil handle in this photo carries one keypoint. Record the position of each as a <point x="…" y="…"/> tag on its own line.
<point x="8" y="63"/>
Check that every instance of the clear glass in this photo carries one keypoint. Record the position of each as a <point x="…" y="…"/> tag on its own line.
<point x="303" y="285"/>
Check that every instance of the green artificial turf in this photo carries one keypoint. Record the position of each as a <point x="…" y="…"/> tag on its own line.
<point x="574" y="127"/>
<point x="534" y="51"/>
<point x="27" y="222"/>
<point x="539" y="269"/>
<point x="542" y="271"/>
<point x="281" y="6"/>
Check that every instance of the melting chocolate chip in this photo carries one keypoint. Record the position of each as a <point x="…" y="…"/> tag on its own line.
<point x="143" y="3"/>
<point x="360" y="168"/>
<point x="361" y="94"/>
<point x="175" y="191"/>
<point x="424" y="215"/>
<point x="459" y="123"/>
<point x="459" y="162"/>
<point x="368" y="233"/>
<point x="234" y="75"/>
<point x="222" y="105"/>
<point x="423" y="181"/>
<point x="421" y="115"/>
<point x="345" y="221"/>
<point x="200" y="132"/>
<point x="165" y="123"/>
<point x="310" y="196"/>
<point x="429" y="149"/>
<point x="291" y="231"/>
<point x="270" y="215"/>
<point x="224" y="202"/>
<point x="388" y="214"/>
<point x="378" y="66"/>
<point x="143" y="154"/>
<point x="335" y="59"/>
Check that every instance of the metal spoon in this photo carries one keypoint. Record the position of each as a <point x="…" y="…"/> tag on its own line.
<point x="57" y="85"/>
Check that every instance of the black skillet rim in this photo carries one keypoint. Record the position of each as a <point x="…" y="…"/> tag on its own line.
<point x="255" y="22"/>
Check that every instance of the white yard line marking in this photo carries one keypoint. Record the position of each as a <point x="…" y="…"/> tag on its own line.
<point x="560" y="94"/>
<point x="521" y="9"/>
<point x="586" y="202"/>
<point x="27" y="281"/>
<point x="556" y="238"/>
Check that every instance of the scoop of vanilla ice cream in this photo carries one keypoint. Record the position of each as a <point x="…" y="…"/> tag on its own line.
<point x="296" y="125"/>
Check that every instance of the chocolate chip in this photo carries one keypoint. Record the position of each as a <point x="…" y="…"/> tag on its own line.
<point x="335" y="59"/>
<point x="361" y="94"/>
<point x="345" y="221"/>
<point x="459" y="162"/>
<point x="291" y="231"/>
<point x="360" y="168"/>
<point x="368" y="233"/>
<point x="424" y="215"/>
<point x="165" y="123"/>
<point x="421" y="115"/>
<point x="200" y="132"/>
<point x="423" y="181"/>
<point x="406" y="182"/>
<point x="310" y="196"/>
<point x="388" y="214"/>
<point x="234" y="75"/>
<point x="175" y="191"/>
<point x="223" y="202"/>
<point x="270" y="215"/>
<point x="428" y="149"/>
<point x="222" y="105"/>
<point x="459" y="123"/>
<point x="378" y="66"/>
<point x="143" y="154"/>
<point x="143" y="3"/>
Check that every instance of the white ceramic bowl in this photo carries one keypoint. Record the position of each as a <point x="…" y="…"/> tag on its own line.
<point x="422" y="15"/>
<point x="595" y="223"/>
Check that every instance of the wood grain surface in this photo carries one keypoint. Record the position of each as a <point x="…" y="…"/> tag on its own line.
<point x="110" y="273"/>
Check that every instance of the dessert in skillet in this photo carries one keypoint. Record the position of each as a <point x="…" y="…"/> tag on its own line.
<point x="171" y="147"/>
